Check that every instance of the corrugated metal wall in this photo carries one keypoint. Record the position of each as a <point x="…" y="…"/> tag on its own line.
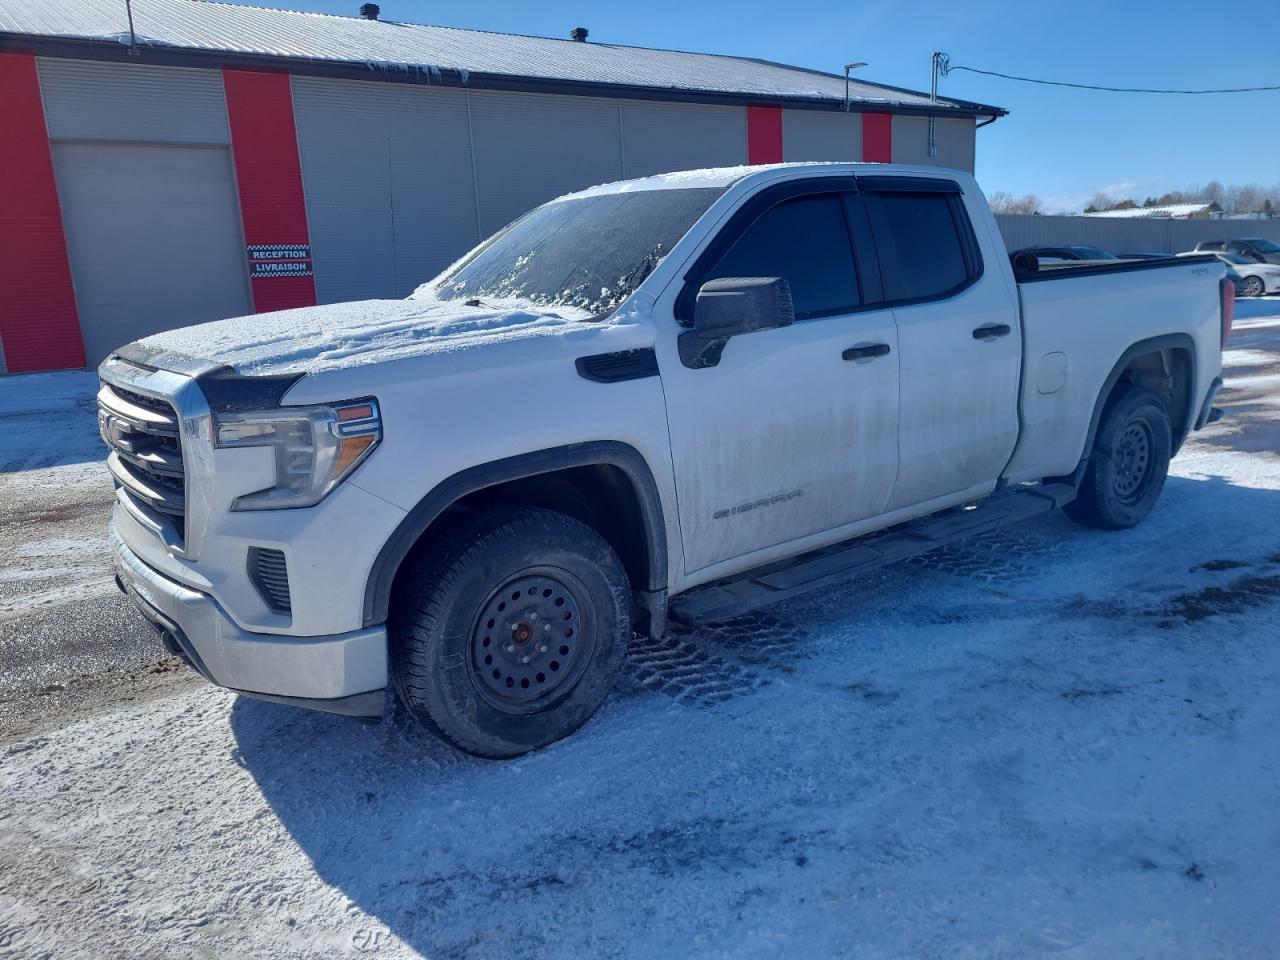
<point x="401" y="180"/>
<point x="810" y="135"/>
<point x="103" y="101"/>
<point x="387" y="174"/>
<point x="1127" y="235"/>
<point x="531" y="148"/>
<point x="954" y="139"/>
<point x="662" y="137"/>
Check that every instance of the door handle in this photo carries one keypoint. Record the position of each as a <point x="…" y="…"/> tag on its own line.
<point x="869" y="352"/>
<point x="992" y="331"/>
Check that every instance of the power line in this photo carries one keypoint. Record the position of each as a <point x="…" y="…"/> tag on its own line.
<point x="948" y="68"/>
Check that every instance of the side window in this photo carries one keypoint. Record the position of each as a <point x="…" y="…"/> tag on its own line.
<point x="1235" y="246"/>
<point x="806" y="242"/>
<point x="925" y="244"/>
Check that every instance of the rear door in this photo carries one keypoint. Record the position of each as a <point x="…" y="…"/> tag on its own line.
<point x="794" y="431"/>
<point x="960" y="348"/>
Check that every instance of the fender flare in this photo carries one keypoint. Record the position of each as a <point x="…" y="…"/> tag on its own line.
<point x="377" y="594"/>
<point x="1168" y="341"/>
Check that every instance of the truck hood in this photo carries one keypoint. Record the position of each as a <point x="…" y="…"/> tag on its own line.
<point x="315" y="339"/>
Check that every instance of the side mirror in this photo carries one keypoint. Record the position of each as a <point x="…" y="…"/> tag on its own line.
<point x="730" y="307"/>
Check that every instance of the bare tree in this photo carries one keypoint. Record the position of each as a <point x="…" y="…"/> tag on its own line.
<point x="1008" y="203"/>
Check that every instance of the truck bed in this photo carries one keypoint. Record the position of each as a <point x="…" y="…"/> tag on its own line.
<point x="1077" y="322"/>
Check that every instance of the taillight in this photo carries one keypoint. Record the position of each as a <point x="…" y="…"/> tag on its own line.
<point x="1227" y="293"/>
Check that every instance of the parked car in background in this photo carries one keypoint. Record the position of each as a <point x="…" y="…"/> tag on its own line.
<point x="1253" y="249"/>
<point x="1250" y="279"/>
<point x="1074" y="251"/>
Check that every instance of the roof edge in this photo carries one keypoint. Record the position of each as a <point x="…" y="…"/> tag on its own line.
<point x="111" y="51"/>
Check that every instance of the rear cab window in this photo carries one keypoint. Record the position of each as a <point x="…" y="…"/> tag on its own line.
<point x="923" y="236"/>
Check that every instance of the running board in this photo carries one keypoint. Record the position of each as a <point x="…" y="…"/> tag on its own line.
<point x="822" y="568"/>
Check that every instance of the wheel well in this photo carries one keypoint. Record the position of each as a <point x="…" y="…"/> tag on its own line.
<point x="1167" y="374"/>
<point x="601" y="495"/>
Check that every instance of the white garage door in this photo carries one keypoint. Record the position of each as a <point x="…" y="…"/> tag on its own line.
<point x="154" y="236"/>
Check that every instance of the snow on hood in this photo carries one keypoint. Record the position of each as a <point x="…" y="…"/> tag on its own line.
<point x="337" y="335"/>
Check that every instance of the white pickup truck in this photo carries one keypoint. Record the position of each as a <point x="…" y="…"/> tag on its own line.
<point x="689" y="394"/>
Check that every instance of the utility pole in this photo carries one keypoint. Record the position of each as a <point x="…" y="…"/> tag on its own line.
<point x="938" y="58"/>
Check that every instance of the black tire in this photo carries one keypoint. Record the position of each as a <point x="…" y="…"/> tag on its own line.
<point x="1128" y="463"/>
<point x="1254" y="287"/>
<point x="499" y="688"/>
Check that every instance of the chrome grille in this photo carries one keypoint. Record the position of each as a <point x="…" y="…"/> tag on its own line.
<point x="142" y="432"/>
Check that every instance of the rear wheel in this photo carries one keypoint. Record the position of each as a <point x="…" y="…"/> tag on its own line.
<point x="1128" y="463"/>
<point x="512" y="631"/>
<point x="1254" y="287"/>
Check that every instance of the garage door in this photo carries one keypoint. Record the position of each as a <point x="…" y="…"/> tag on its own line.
<point x="154" y="236"/>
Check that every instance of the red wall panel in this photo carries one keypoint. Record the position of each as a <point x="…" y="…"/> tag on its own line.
<point x="764" y="134"/>
<point x="38" y="321"/>
<point x="877" y="137"/>
<point x="264" y="147"/>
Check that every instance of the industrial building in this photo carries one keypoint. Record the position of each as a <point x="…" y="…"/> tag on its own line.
<point x="179" y="161"/>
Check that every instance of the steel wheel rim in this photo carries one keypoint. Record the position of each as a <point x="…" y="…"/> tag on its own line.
<point x="1133" y="460"/>
<point x="531" y="640"/>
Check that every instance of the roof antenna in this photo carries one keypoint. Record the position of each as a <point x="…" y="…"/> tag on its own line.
<point x="133" y="37"/>
<point x="848" y="67"/>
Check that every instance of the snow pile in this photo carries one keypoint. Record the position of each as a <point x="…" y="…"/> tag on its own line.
<point x="366" y="331"/>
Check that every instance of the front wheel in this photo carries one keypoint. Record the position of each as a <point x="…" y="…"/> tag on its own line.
<point x="1128" y="463"/>
<point x="1254" y="287"/>
<point x="512" y="631"/>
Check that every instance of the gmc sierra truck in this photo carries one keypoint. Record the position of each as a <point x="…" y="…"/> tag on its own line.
<point x="689" y="395"/>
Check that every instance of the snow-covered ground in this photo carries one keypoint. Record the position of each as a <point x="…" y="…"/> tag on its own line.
<point x="1052" y="742"/>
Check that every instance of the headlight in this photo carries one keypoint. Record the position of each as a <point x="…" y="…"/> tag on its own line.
<point x="315" y="448"/>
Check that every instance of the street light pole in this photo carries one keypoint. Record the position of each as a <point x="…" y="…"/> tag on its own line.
<point x="849" y="67"/>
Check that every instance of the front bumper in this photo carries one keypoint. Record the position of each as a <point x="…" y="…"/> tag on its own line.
<point x="342" y="673"/>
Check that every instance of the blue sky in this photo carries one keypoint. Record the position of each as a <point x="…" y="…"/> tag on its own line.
<point x="1063" y="145"/>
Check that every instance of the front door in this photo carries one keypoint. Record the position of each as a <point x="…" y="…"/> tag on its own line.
<point x="794" y="431"/>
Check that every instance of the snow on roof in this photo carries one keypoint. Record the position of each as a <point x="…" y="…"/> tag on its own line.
<point x="211" y="27"/>
<point x="1168" y="211"/>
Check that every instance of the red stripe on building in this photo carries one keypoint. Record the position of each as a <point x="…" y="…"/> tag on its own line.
<point x="764" y="134"/>
<point x="877" y="137"/>
<point x="264" y="146"/>
<point x="39" y="325"/>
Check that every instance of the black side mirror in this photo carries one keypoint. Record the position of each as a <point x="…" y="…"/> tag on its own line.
<point x="730" y="307"/>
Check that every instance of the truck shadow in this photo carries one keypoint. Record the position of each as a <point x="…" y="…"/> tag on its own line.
<point x="662" y="808"/>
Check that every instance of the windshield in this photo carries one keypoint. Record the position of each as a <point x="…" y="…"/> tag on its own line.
<point x="590" y="252"/>
<point x="1266" y="246"/>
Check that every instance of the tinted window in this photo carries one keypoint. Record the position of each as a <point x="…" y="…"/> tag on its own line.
<point x="591" y="252"/>
<point x="806" y="242"/>
<point x="1210" y="245"/>
<point x="918" y="233"/>
<point x="1235" y="246"/>
<point x="1266" y="246"/>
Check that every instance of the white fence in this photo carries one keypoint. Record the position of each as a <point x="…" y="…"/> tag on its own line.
<point x="1126" y="235"/>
